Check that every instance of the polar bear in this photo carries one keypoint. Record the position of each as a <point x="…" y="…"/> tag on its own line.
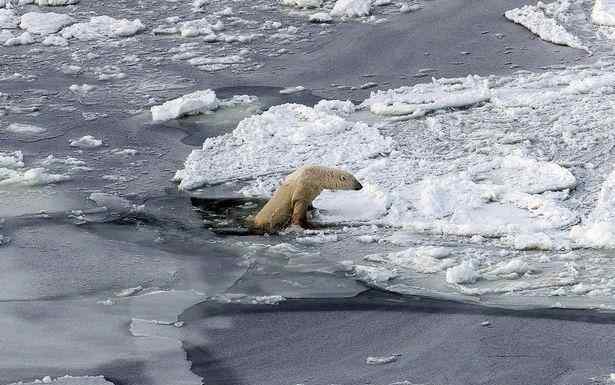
<point x="291" y="201"/>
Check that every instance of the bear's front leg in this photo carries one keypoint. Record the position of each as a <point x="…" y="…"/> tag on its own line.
<point x="299" y="216"/>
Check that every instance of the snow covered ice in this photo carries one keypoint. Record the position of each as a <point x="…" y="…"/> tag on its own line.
<point x="101" y="27"/>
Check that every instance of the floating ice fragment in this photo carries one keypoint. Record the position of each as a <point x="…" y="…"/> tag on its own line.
<point x="87" y="141"/>
<point x="111" y="202"/>
<point x="352" y="8"/>
<point x="81" y="89"/>
<point x="320" y="17"/>
<point x="55" y="40"/>
<point x="292" y="90"/>
<point x="194" y="103"/>
<point x="547" y="28"/>
<point x="375" y="360"/>
<point x="32" y="177"/>
<point x="103" y="27"/>
<point x="302" y="3"/>
<point x="199" y="27"/>
<point x="532" y="241"/>
<point x="27" y="129"/>
<point x="44" y="23"/>
<point x="23" y="39"/>
<point x="70" y="69"/>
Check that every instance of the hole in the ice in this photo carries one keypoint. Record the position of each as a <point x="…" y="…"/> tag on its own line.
<point x="227" y="215"/>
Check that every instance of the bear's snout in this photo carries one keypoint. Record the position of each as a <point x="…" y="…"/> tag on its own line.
<point x="358" y="186"/>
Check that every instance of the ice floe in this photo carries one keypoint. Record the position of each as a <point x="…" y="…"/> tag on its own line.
<point x="352" y="8"/>
<point x="87" y="141"/>
<point x="194" y="103"/>
<point x="103" y="27"/>
<point x="303" y="3"/>
<point x="421" y="99"/>
<point x="538" y="21"/>
<point x="44" y="23"/>
<point x="26" y="129"/>
<point x="23" y="39"/>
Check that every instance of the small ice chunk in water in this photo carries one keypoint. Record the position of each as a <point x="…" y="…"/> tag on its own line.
<point x="320" y="17"/>
<point x="44" y="23"/>
<point x="194" y="103"/>
<point x="375" y="360"/>
<point x="302" y="3"/>
<point x="352" y="8"/>
<point x="103" y="27"/>
<point x="23" y="39"/>
<point x="111" y="202"/>
<point x="128" y="292"/>
<point x="55" y="40"/>
<point x="292" y="90"/>
<point x="81" y="89"/>
<point x="27" y="129"/>
<point x="71" y="69"/>
<point x="87" y="141"/>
